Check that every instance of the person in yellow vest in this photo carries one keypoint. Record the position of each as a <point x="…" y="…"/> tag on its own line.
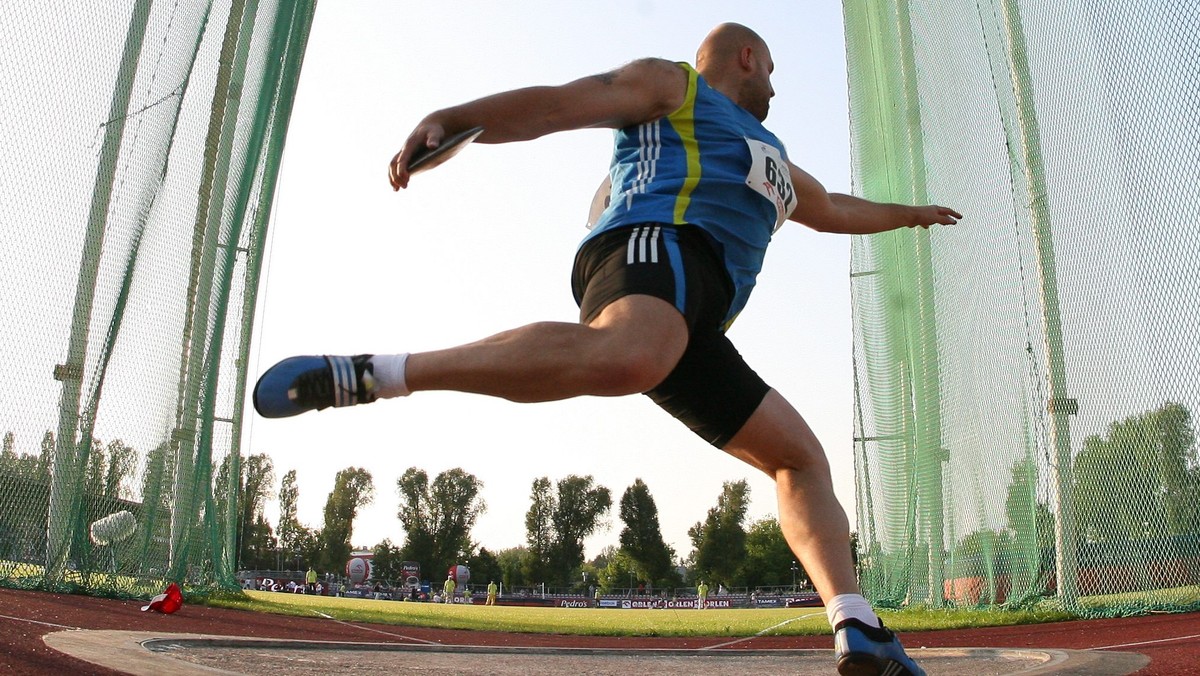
<point x="491" y="597"/>
<point x="310" y="578"/>
<point x="448" y="588"/>
<point x="701" y="595"/>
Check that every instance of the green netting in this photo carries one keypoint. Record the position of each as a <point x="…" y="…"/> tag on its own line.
<point x="1026" y="381"/>
<point x="142" y="143"/>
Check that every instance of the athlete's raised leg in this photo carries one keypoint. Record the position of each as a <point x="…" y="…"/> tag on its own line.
<point x="628" y="348"/>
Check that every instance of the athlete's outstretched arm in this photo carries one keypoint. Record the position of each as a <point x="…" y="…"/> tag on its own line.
<point x="641" y="91"/>
<point x="834" y="212"/>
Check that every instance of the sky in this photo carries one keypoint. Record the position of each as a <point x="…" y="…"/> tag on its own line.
<point x="485" y="243"/>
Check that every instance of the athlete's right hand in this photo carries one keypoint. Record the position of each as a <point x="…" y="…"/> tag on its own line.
<point x="427" y="135"/>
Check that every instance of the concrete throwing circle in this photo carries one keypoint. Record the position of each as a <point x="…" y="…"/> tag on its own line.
<point x="149" y="654"/>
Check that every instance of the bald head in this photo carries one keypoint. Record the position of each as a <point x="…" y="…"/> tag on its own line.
<point x="736" y="61"/>
<point x="724" y="44"/>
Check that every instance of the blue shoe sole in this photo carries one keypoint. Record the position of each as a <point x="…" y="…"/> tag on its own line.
<point x="271" y="392"/>
<point x="867" y="651"/>
<point x="869" y="665"/>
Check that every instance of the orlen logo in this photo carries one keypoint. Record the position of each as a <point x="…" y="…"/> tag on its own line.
<point x="572" y="604"/>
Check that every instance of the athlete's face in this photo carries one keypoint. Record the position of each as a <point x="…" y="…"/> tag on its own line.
<point x="756" y="89"/>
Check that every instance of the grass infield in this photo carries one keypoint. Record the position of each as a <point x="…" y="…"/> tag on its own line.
<point x="737" y="622"/>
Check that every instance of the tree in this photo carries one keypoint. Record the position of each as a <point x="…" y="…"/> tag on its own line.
<point x="619" y="572"/>
<point x="352" y="488"/>
<point x="225" y="498"/>
<point x="485" y="567"/>
<point x="121" y="459"/>
<point x="289" y="525"/>
<point x="641" y="538"/>
<point x="1032" y="526"/>
<point x="556" y="525"/>
<point x="8" y="454"/>
<point x="720" y="541"/>
<point x="437" y="518"/>
<point x="769" y="560"/>
<point x="309" y="547"/>
<point x="46" y="456"/>
<point x="23" y="465"/>
<point x="511" y="563"/>
<point x="1155" y="455"/>
<point x="93" y="482"/>
<point x="258" y="474"/>
<point x="1177" y="466"/>
<point x="578" y="511"/>
<point x="258" y="545"/>
<point x="539" y="532"/>
<point x="156" y="496"/>
<point x="385" y="565"/>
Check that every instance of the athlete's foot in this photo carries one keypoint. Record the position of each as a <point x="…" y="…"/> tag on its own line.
<point x="311" y="383"/>
<point x="863" y="650"/>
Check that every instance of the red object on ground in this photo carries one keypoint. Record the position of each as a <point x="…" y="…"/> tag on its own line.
<point x="166" y="602"/>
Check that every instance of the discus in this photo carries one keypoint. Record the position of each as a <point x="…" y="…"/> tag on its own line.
<point x="600" y="202"/>
<point x="427" y="158"/>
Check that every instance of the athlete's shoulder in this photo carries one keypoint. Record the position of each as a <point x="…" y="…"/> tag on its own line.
<point x="660" y="84"/>
<point x="653" y="64"/>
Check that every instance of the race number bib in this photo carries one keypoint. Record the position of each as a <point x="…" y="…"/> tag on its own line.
<point x="770" y="177"/>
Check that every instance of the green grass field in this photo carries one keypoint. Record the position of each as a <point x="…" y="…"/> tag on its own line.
<point x="608" y="622"/>
<point x="612" y="622"/>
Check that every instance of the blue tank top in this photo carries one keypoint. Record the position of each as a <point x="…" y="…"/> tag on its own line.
<point x="709" y="164"/>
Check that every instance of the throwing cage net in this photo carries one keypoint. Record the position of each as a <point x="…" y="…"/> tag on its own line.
<point x="1026" y="381"/>
<point x="143" y="141"/>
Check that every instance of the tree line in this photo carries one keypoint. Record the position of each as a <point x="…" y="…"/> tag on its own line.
<point x="1135" y="492"/>
<point x="436" y="519"/>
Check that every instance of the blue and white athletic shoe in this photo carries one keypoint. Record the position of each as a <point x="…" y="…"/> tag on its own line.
<point x="863" y="650"/>
<point x="311" y="383"/>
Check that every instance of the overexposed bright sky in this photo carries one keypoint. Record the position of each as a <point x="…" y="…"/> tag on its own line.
<point x="485" y="243"/>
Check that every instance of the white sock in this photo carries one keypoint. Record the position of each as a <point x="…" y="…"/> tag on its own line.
<point x="846" y="606"/>
<point x="389" y="375"/>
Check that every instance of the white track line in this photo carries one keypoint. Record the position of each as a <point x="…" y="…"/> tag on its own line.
<point x="47" y="624"/>
<point x="1159" y="640"/>
<point x="377" y="631"/>
<point x="761" y="633"/>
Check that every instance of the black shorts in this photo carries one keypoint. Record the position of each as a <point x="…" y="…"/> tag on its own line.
<point x="711" y="390"/>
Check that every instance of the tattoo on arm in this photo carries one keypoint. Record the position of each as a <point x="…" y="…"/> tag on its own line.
<point x="606" y="78"/>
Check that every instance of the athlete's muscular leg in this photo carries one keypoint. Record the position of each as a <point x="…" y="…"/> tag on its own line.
<point x="777" y="440"/>
<point x="628" y="348"/>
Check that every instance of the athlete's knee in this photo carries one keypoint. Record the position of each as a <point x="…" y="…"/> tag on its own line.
<point x="777" y="439"/>
<point x="640" y="339"/>
<point x="633" y="370"/>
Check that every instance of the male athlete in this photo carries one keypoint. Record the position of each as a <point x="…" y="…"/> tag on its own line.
<point x="698" y="188"/>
